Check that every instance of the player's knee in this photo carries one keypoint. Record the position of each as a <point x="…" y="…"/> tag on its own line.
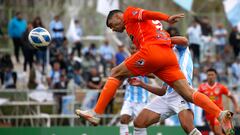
<point x="189" y="95"/>
<point x="117" y="72"/>
<point x="139" y="124"/>
<point x="124" y="120"/>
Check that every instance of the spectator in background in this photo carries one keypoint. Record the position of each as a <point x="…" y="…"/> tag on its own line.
<point x="220" y="67"/>
<point x="228" y="51"/>
<point x="16" y="27"/>
<point x="41" y="54"/>
<point x="28" y="50"/>
<point x="7" y="75"/>
<point x="57" y="29"/>
<point x="121" y="55"/>
<point x="62" y="84"/>
<point x="172" y="30"/>
<point x="234" y="40"/>
<point x="207" y="63"/>
<point x="8" y="78"/>
<point x="2" y="35"/>
<point x="194" y="33"/>
<point x="220" y="34"/>
<point x="36" y="78"/>
<point x="37" y="22"/>
<point x="78" y="79"/>
<point x="54" y="75"/>
<point x="236" y="72"/>
<point x="61" y="61"/>
<point x="92" y="49"/>
<point x="78" y="44"/>
<point x="107" y="54"/>
<point x="94" y="82"/>
<point x="87" y="63"/>
<point x="6" y="61"/>
<point x="206" y="27"/>
<point x="64" y="49"/>
<point x="71" y="63"/>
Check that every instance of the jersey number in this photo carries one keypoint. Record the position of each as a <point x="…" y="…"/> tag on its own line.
<point x="158" y="24"/>
<point x="159" y="27"/>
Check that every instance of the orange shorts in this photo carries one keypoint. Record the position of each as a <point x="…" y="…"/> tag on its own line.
<point x="158" y="59"/>
<point x="212" y="121"/>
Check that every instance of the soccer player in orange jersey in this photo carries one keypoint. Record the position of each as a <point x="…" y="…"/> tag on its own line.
<point x="156" y="56"/>
<point x="215" y="91"/>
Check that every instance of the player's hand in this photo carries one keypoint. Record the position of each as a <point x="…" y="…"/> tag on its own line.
<point x="135" y="82"/>
<point x="175" y="18"/>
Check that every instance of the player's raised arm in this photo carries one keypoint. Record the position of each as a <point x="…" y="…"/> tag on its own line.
<point x="179" y="40"/>
<point x="160" y="91"/>
<point x="152" y="15"/>
<point x="234" y="101"/>
<point x="139" y="14"/>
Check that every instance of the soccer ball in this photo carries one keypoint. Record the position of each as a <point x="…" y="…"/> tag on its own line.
<point x="39" y="38"/>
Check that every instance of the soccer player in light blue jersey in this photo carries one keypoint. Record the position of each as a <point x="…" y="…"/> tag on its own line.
<point x="169" y="102"/>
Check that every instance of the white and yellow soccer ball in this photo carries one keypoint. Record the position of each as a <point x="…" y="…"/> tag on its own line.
<point x="39" y="38"/>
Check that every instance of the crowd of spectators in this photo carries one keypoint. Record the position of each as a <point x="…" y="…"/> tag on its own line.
<point x="79" y="65"/>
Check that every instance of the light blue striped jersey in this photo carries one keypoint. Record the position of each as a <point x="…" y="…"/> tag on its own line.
<point x="185" y="62"/>
<point x="137" y="94"/>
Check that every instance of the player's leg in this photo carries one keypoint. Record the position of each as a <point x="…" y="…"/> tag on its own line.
<point x="214" y="125"/>
<point x="131" y="66"/>
<point x="144" y="119"/>
<point x="151" y="114"/>
<point x="217" y="130"/>
<point x="186" y="119"/>
<point x="124" y="120"/>
<point x="118" y="74"/>
<point x="126" y="117"/>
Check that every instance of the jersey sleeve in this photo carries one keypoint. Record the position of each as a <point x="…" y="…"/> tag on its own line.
<point x="225" y="91"/>
<point x="133" y="14"/>
<point x="139" y="14"/>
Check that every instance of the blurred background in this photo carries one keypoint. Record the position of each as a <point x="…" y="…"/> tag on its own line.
<point x="43" y="87"/>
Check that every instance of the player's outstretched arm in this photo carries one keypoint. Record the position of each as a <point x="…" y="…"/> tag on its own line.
<point x="160" y="91"/>
<point x="179" y="40"/>
<point x="234" y="101"/>
<point x="152" y="15"/>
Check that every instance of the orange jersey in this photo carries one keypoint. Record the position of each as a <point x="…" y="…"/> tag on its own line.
<point x="143" y="31"/>
<point x="214" y="92"/>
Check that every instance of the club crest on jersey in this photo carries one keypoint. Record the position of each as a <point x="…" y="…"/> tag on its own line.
<point x="134" y="12"/>
<point x="217" y="91"/>
<point x="140" y="63"/>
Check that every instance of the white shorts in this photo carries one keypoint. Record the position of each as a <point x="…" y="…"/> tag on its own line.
<point x="167" y="105"/>
<point x="132" y="108"/>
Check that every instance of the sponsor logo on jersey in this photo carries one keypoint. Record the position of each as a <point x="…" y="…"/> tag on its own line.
<point x="140" y="63"/>
<point x="217" y="90"/>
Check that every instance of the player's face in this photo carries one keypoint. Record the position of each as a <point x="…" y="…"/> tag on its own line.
<point x="211" y="76"/>
<point x="116" y="23"/>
